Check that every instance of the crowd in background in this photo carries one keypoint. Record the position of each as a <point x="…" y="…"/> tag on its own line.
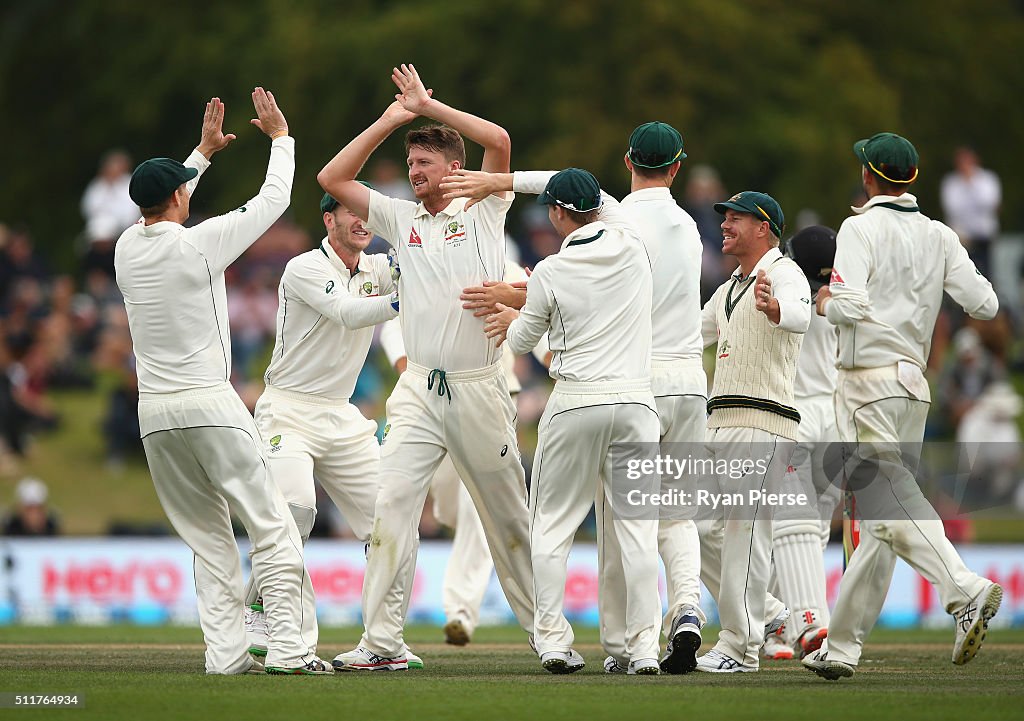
<point x="71" y="331"/>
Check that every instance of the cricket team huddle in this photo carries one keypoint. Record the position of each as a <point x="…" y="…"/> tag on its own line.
<point x="817" y="339"/>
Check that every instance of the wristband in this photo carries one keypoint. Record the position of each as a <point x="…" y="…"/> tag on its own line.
<point x="279" y="134"/>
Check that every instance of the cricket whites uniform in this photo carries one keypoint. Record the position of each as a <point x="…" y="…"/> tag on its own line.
<point x="204" y="451"/>
<point x="751" y="416"/>
<point x="801" y="533"/>
<point x="892" y="265"/>
<point x="325" y="323"/>
<point x="452" y="399"/>
<point x="593" y="298"/>
<point x="678" y="380"/>
<point x="468" y="572"/>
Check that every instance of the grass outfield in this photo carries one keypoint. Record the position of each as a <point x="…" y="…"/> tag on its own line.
<point x="157" y="673"/>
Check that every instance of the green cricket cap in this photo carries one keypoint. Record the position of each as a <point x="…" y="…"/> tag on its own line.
<point x="155" y="180"/>
<point x="329" y="203"/>
<point x="889" y="156"/>
<point x="573" y="189"/>
<point x="655" y="145"/>
<point x="761" y="205"/>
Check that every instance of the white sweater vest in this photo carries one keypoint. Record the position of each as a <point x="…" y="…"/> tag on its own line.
<point x="755" y="366"/>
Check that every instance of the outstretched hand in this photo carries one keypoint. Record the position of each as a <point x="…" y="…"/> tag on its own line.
<point x="412" y="93"/>
<point x="496" y="325"/>
<point x="397" y="114"/>
<point x="473" y="184"/>
<point x="269" y="117"/>
<point x="213" y="139"/>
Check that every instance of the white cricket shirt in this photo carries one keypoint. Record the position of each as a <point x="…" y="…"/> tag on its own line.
<point x="439" y="256"/>
<point x="172" y="280"/>
<point x="393" y="345"/>
<point x="892" y="264"/>
<point x="593" y="298"/>
<point x="816" y="372"/>
<point x="673" y="244"/>
<point x="325" y="319"/>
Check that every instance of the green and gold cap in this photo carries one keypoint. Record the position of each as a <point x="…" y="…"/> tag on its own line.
<point x="572" y="189"/>
<point x="761" y="205"/>
<point x="889" y="156"/>
<point x="655" y="145"/>
<point x="155" y="180"/>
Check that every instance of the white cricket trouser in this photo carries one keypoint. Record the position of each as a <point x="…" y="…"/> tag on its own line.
<point x="573" y="469"/>
<point x="745" y="538"/>
<point x="476" y="427"/>
<point x="469" y="568"/>
<point x="206" y="458"/>
<point x="800" y="534"/>
<point x="873" y="407"/>
<point x="309" y="437"/>
<point x="683" y="421"/>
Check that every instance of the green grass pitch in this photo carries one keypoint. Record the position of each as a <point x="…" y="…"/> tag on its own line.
<point x="157" y="673"/>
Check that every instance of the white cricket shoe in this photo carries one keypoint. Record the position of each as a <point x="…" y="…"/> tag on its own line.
<point x="972" y="623"/>
<point x="811" y="640"/>
<point x="256" y="631"/>
<point x="363" y="659"/>
<point x="776" y="649"/>
<point x="414" y="661"/>
<point x="827" y="668"/>
<point x="776" y="623"/>
<point x="314" y="667"/>
<point x="684" y="641"/>
<point x="644" y="667"/>
<point x="715" y="661"/>
<point x="613" y="665"/>
<point x="562" y="661"/>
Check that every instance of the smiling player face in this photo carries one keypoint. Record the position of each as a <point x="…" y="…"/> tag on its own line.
<point x="738" y="231"/>
<point x="346" y="232"/>
<point x="426" y="168"/>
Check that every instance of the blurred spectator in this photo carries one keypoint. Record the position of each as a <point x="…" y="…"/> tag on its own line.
<point x="252" y="310"/>
<point x="106" y="205"/>
<point x="970" y="370"/>
<point x="115" y="361"/>
<point x="703" y="190"/>
<point x="993" y="443"/>
<point x="30" y="516"/>
<point x="390" y="178"/>
<point x="970" y="199"/>
<point x="19" y="260"/>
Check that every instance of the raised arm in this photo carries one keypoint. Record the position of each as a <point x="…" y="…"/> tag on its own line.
<point x="415" y="98"/>
<point x="338" y="177"/>
<point x="224" y="238"/>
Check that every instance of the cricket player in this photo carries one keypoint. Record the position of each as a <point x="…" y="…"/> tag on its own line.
<point x="801" y="534"/>
<point x="329" y="300"/>
<point x="678" y="380"/>
<point x="469" y="568"/>
<point x="453" y="397"/>
<point x="204" y="451"/>
<point x="892" y="265"/>
<point x="757" y="319"/>
<point x="593" y="297"/>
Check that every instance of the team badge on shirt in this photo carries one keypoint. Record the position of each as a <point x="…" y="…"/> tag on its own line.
<point x="723" y="351"/>
<point x="275" y="443"/>
<point x="414" y="239"/>
<point x="454" y="232"/>
<point x="367" y="288"/>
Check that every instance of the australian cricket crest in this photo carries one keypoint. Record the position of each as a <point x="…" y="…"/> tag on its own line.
<point x="454" y="232"/>
<point x="275" y="443"/>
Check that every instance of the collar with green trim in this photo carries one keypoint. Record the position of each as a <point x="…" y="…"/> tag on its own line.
<point x="584" y="234"/>
<point x="905" y="203"/>
<point x="361" y="267"/>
